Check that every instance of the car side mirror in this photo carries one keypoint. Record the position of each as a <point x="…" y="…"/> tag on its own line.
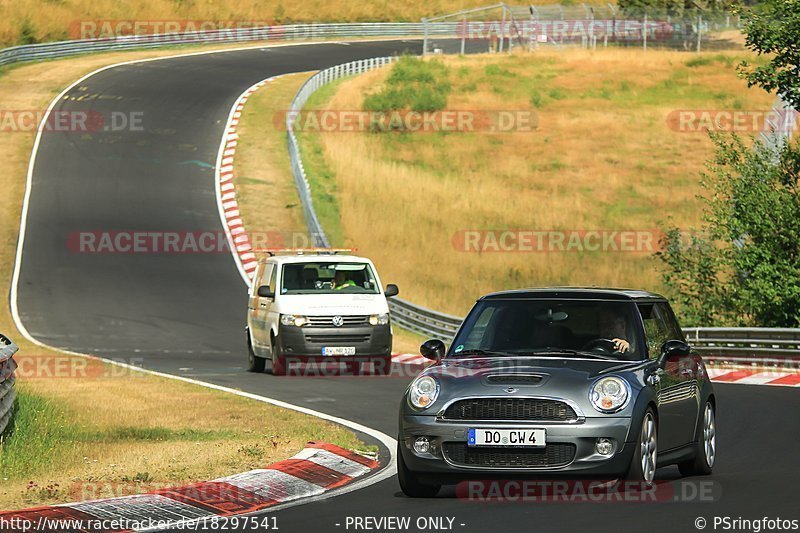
<point x="673" y="348"/>
<point x="391" y="290"/>
<point x="265" y="292"/>
<point x="433" y="349"/>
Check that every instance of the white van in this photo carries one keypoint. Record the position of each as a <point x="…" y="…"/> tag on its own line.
<point x="318" y="306"/>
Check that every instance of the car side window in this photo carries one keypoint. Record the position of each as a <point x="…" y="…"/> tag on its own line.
<point x="674" y="331"/>
<point x="656" y="330"/>
<point x="272" y="272"/>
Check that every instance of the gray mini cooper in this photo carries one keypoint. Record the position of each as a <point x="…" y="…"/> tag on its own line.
<point x="582" y="382"/>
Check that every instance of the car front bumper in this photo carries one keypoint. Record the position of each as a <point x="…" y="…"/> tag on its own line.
<point x="308" y="342"/>
<point x="572" y="445"/>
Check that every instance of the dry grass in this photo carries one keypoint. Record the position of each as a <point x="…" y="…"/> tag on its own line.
<point x="265" y="187"/>
<point x="51" y="20"/>
<point x="121" y="426"/>
<point x="114" y="429"/>
<point x="602" y="158"/>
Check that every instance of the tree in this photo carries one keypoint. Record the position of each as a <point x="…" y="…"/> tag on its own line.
<point x="743" y="266"/>
<point x="773" y="28"/>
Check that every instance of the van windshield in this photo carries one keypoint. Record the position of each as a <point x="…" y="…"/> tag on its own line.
<point x="328" y="278"/>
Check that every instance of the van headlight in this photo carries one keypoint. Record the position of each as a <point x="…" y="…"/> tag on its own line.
<point x="610" y="394"/>
<point x="294" y="320"/>
<point x="379" y="320"/>
<point x="423" y="392"/>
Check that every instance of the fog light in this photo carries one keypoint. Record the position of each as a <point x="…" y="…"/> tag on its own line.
<point x="604" y="446"/>
<point x="422" y="445"/>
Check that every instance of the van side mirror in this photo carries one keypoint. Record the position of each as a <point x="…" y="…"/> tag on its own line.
<point x="433" y="349"/>
<point x="673" y="348"/>
<point x="391" y="290"/>
<point x="265" y="292"/>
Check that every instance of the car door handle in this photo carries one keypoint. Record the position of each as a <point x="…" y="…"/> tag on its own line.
<point x="262" y="304"/>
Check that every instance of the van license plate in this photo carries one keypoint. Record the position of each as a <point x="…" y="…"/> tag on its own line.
<point x="339" y="350"/>
<point x="506" y="437"/>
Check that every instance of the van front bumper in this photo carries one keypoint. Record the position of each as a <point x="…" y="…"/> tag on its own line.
<point x="368" y="341"/>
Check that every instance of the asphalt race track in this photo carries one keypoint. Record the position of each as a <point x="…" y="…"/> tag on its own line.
<point x="184" y="313"/>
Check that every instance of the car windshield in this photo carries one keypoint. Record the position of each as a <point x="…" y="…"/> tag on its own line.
<point x="328" y="278"/>
<point x="570" y="328"/>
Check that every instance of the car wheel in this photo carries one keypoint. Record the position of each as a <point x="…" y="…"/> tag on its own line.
<point x="706" y="447"/>
<point x="254" y="362"/>
<point x="278" y="361"/>
<point x="409" y="483"/>
<point x="643" y="463"/>
<point x="382" y="365"/>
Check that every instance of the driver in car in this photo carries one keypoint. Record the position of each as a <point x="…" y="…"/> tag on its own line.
<point x="613" y="326"/>
<point x="341" y="281"/>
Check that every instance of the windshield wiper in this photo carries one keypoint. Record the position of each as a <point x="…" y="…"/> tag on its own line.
<point x="481" y="352"/>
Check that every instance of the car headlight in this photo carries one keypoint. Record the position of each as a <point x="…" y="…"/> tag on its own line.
<point x="294" y="320"/>
<point x="423" y="392"/>
<point x="610" y="394"/>
<point x="379" y="320"/>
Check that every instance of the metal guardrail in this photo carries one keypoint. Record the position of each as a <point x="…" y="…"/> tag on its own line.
<point x="293" y="32"/>
<point x="7" y="379"/>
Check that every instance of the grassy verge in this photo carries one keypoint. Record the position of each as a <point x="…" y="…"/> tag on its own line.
<point x="603" y="157"/>
<point x="126" y="432"/>
<point x="115" y="432"/>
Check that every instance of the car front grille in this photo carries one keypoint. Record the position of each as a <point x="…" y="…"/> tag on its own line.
<point x="327" y="321"/>
<point x="550" y="455"/>
<point x="337" y="339"/>
<point x="511" y="409"/>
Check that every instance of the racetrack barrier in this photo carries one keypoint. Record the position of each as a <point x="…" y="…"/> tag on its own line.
<point x="7" y="379"/>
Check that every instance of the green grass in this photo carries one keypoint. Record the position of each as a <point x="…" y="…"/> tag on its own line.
<point x="36" y="439"/>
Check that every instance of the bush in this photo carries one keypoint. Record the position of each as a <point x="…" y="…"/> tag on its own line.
<point x="413" y="84"/>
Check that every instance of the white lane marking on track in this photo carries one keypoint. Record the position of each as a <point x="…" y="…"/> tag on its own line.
<point x="388" y="471"/>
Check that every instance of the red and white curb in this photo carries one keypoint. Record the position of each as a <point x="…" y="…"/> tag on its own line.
<point x="226" y="189"/>
<point x="318" y="468"/>
<point x="745" y="376"/>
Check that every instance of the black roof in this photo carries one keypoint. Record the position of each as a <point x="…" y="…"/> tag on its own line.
<point x="574" y="293"/>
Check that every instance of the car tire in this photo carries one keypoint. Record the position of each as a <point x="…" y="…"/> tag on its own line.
<point x="254" y="362"/>
<point x="706" y="445"/>
<point x="643" y="463"/>
<point x="382" y="365"/>
<point x="278" y="361"/>
<point x="409" y="483"/>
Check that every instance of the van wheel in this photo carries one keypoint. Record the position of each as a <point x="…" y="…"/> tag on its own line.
<point x="254" y="362"/>
<point x="278" y="362"/>
<point x="409" y="483"/>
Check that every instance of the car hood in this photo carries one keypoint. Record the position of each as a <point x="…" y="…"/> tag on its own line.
<point x="333" y="304"/>
<point x="568" y="378"/>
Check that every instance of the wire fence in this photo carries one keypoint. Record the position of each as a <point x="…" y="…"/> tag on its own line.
<point x="7" y="380"/>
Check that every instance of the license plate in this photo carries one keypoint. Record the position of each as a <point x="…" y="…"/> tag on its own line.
<point x="339" y="350"/>
<point x="517" y="437"/>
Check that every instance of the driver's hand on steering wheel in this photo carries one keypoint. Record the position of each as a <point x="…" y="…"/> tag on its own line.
<point x="621" y="345"/>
